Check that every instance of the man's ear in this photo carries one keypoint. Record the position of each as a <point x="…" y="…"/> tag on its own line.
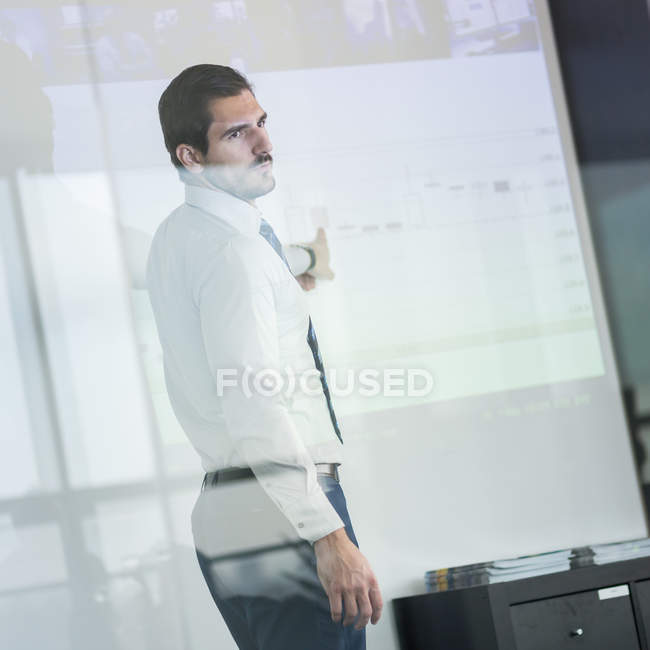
<point x="190" y="158"/>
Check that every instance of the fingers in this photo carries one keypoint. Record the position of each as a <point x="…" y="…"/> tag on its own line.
<point x="350" y="606"/>
<point x="321" y="250"/>
<point x="336" y="607"/>
<point x="350" y="584"/>
<point x="363" y="606"/>
<point x="365" y="610"/>
<point x="377" y="603"/>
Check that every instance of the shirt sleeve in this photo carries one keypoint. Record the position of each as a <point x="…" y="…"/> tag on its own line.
<point x="298" y="258"/>
<point x="239" y="328"/>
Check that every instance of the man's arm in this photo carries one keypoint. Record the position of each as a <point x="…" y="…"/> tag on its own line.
<point x="238" y="321"/>
<point x="239" y="326"/>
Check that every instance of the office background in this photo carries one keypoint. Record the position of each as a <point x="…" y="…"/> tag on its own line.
<point x="97" y="484"/>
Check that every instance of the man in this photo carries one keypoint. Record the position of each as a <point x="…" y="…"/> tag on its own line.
<point x="271" y="528"/>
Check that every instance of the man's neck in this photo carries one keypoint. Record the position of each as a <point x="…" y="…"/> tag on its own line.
<point x="201" y="181"/>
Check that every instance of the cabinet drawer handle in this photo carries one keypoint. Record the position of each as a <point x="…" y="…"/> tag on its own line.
<point x="578" y="632"/>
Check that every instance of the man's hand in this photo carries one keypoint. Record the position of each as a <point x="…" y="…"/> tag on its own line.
<point x="321" y="268"/>
<point x="306" y="281"/>
<point x="348" y="580"/>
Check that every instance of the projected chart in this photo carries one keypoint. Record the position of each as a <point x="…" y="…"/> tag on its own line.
<point x="458" y="255"/>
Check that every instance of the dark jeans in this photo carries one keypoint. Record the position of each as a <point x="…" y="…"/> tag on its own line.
<point x="271" y="597"/>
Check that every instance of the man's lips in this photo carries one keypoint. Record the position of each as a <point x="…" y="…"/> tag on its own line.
<point x="262" y="161"/>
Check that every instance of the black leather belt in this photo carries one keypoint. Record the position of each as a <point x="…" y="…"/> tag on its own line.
<point x="230" y="474"/>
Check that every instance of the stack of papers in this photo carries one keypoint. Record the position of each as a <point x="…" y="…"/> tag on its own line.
<point x="529" y="566"/>
<point x="497" y="571"/>
<point x="606" y="553"/>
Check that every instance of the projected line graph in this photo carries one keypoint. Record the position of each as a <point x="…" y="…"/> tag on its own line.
<point x="429" y="184"/>
<point x="448" y="250"/>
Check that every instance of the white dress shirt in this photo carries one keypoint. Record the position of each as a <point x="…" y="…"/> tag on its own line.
<point x="224" y="300"/>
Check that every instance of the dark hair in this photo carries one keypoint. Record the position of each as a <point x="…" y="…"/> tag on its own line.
<point x="183" y="106"/>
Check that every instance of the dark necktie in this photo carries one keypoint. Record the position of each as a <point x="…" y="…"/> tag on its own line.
<point x="267" y="232"/>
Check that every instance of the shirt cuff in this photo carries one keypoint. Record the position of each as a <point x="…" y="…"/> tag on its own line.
<point x="314" y="517"/>
<point x="299" y="259"/>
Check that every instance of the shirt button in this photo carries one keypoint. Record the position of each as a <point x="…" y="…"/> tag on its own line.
<point x="301" y="525"/>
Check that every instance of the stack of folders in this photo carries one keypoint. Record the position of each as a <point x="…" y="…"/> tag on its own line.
<point x="606" y="553"/>
<point x="497" y="571"/>
<point x="529" y="566"/>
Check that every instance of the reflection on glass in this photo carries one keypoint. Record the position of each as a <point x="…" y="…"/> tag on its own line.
<point x="125" y="533"/>
<point x="454" y="244"/>
<point x="82" y="563"/>
<point x="40" y="619"/>
<point x="18" y="471"/>
<point x="31" y="554"/>
<point x="82" y="287"/>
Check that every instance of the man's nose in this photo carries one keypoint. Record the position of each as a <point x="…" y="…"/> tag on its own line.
<point x="262" y="142"/>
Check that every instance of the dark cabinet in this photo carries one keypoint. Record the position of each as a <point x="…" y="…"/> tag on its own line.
<point x="584" y="620"/>
<point x="603" y="607"/>
<point x="642" y="599"/>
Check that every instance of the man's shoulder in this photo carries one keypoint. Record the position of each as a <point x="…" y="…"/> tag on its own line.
<point x="199" y="240"/>
<point x="189" y="232"/>
<point x="190" y="220"/>
<point x="237" y="256"/>
<point x="200" y="250"/>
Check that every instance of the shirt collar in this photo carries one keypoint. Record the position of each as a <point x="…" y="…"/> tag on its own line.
<point x="238" y="213"/>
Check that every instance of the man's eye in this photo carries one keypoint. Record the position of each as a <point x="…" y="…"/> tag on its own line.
<point x="261" y="123"/>
<point x="234" y="134"/>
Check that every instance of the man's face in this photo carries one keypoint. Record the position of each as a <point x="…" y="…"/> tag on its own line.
<point x="239" y="159"/>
